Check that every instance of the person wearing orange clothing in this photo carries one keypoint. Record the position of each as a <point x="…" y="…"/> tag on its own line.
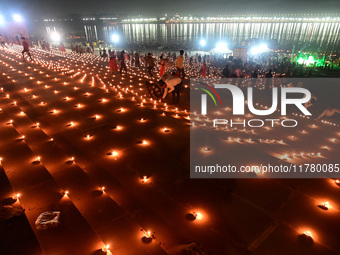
<point x="180" y="63"/>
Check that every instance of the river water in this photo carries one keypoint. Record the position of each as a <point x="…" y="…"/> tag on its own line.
<point x="277" y="34"/>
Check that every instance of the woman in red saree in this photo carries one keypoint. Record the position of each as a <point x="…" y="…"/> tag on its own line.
<point x="162" y="66"/>
<point x="113" y="62"/>
<point x="204" y="70"/>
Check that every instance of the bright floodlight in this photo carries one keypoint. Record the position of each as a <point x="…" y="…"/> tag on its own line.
<point x="263" y="47"/>
<point x="55" y="37"/>
<point x="259" y="49"/>
<point x="255" y="50"/>
<point x="203" y="42"/>
<point x="222" y="47"/>
<point x="2" y="20"/>
<point x="115" y="38"/>
<point x="17" y="18"/>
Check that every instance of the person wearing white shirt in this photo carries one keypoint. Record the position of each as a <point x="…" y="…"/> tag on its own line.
<point x="169" y="85"/>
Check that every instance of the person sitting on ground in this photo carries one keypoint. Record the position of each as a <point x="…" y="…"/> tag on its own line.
<point x="329" y="112"/>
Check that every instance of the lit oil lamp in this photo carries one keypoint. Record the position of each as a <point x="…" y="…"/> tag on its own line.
<point x="206" y="149"/>
<point x="106" y="248"/>
<point x="324" y="206"/>
<point x="16" y="196"/>
<point x="307" y="234"/>
<point x="147" y="237"/>
<point x="198" y="215"/>
<point x="337" y="182"/>
<point x="145" y="179"/>
<point x="114" y="153"/>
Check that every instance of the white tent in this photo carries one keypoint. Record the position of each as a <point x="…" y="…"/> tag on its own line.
<point x="220" y="51"/>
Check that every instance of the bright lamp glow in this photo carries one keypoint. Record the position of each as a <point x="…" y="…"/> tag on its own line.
<point x="203" y="42"/>
<point x="221" y="47"/>
<point x="17" y="18"/>
<point x="55" y="37"/>
<point x="115" y="38"/>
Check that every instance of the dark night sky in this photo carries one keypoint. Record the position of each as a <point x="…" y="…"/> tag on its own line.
<point x="156" y="8"/>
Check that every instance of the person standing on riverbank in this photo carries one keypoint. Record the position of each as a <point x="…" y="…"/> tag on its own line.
<point x="122" y="62"/>
<point x="162" y="66"/>
<point x="61" y="47"/>
<point x="204" y="70"/>
<point x="150" y="63"/>
<point x="113" y="62"/>
<point x="26" y="48"/>
<point x="2" y="42"/>
<point x="268" y="79"/>
<point x="180" y="64"/>
<point x="137" y="63"/>
<point x="104" y="53"/>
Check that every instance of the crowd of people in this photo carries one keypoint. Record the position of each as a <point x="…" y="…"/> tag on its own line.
<point x="170" y="69"/>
